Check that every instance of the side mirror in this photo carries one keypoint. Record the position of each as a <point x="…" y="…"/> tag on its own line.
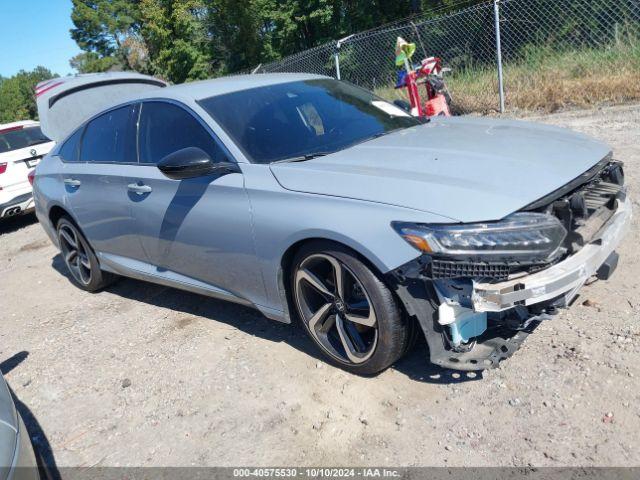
<point x="193" y="162"/>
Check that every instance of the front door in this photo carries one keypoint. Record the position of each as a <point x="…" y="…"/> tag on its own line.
<point x="199" y="228"/>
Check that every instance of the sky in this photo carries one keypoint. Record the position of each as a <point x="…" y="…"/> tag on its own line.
<point x="36" y="32"/>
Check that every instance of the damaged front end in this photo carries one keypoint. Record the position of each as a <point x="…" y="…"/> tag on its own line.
<point x="479" y="290"/>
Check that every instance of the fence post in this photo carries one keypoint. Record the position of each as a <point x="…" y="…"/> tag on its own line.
<point x="496" y="12"/>
<point x="336" y="56"/>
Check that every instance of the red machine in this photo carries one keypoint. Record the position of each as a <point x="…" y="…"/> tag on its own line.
<point x="430" y="74"/>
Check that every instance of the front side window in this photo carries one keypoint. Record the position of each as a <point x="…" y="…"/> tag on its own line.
<point x="296" y="119"/>
<point x="21" y="137"/>
<point x="166" y="128"/>
<point x="111" y="137"/>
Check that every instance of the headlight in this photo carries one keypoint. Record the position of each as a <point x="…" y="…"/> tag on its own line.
<point x="519" y="237"/>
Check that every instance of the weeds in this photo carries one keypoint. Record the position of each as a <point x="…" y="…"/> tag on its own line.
<point x="547" y="80"/>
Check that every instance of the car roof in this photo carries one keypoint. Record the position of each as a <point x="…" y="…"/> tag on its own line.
<point x="65" y="103"/>
<point x="219" y="86"/>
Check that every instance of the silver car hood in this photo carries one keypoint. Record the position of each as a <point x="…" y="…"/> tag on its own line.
<point x="466" y="169"/>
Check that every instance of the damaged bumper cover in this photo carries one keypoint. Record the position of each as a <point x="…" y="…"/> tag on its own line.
<point x="532" y="296"/>
<point x="563" y="279"/>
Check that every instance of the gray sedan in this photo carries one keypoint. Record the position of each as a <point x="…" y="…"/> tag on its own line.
<point x="310" y="198"/>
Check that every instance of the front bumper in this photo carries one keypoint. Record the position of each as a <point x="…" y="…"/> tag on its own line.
<point x="561" y="280"/>
<point x="528" y="296"/>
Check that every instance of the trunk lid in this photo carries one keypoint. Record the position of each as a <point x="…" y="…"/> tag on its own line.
<point x="64" y="103"/>
<point x="466" y="169"/>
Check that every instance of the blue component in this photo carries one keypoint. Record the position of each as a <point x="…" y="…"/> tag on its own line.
<point x="402" y="79"/>
<point x="467" y="327"/>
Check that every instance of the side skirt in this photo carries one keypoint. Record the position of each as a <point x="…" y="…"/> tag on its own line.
<point x="143" y="271"/>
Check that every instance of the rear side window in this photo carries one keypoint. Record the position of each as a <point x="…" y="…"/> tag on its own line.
<point x="21" y="137"/>
<point x="70" y="149"/>
<point x="166" y="128"/>
<point x="111" y="137"/>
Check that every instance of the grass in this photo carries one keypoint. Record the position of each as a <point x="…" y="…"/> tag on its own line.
<point x="548" y="81"/>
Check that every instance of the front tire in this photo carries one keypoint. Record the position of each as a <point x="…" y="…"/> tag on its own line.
<point x="79" y="258"/>
<point x="346" y="309"/>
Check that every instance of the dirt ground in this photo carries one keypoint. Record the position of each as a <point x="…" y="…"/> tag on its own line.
<point x="146" y="375"/>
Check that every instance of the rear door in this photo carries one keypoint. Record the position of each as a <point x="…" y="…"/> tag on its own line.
<point x="97" y="161"/>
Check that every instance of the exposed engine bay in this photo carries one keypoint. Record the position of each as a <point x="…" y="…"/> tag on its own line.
<point x="476" y="313"/>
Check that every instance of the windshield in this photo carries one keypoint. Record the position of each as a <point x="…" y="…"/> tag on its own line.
<point x="299" y="119"/>
<point x="21" y="138"/>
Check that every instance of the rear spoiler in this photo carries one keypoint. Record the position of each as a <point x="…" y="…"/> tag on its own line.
<point x="64" y="103"/>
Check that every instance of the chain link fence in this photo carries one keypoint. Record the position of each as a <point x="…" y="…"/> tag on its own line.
<point x="555" y="53"/>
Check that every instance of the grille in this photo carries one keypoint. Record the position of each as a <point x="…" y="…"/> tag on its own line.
<point x="450" y="269"/>
<point x="599" y="194"/>
<point x="587" y="209"/>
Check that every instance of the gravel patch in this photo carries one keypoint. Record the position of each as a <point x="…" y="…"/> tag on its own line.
<point x="143" y="375"/>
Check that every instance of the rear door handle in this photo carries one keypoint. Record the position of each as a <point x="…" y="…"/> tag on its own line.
<point x="72" y="182"/>
<point x="139" y="189"/>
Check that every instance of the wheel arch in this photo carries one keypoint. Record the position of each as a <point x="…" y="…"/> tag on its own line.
<point x="372" y="262"/>
<point x="56" y="212"/>
<point x="286" y="263"/>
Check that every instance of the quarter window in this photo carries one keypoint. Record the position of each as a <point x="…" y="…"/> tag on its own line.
<point x="69" y="150"/>
<point x="166" y="128"/>
<point x="111" y="137"/>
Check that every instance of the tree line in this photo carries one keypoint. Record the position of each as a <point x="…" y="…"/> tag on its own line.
<point x="183" y="40"/>
<point x="17" y="100"/>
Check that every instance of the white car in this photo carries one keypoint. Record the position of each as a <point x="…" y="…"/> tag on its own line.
<point x="22" y="145"/>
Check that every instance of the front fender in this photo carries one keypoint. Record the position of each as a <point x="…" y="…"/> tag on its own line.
<point x="283" y="218"/>
<point x="293" y="243"/>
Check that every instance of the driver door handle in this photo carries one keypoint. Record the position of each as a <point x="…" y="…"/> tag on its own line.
<point x="72" y="183"/>
<point x="139" y="189"/>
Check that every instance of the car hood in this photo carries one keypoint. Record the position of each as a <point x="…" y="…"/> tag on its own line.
<point x="466" y="169"/>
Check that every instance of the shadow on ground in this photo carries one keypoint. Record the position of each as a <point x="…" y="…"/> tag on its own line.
<point x="12" y="224"/>
<point x="44" y="454"/>
<point x="415" y="364"/>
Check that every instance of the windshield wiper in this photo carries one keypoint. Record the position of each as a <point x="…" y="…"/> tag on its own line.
<point x="381" y="134"/>
<point x="303" y="158"/>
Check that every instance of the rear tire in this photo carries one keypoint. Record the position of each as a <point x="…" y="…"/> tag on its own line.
<point x="355" y="321"/>
<point x="82" y="264"/>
